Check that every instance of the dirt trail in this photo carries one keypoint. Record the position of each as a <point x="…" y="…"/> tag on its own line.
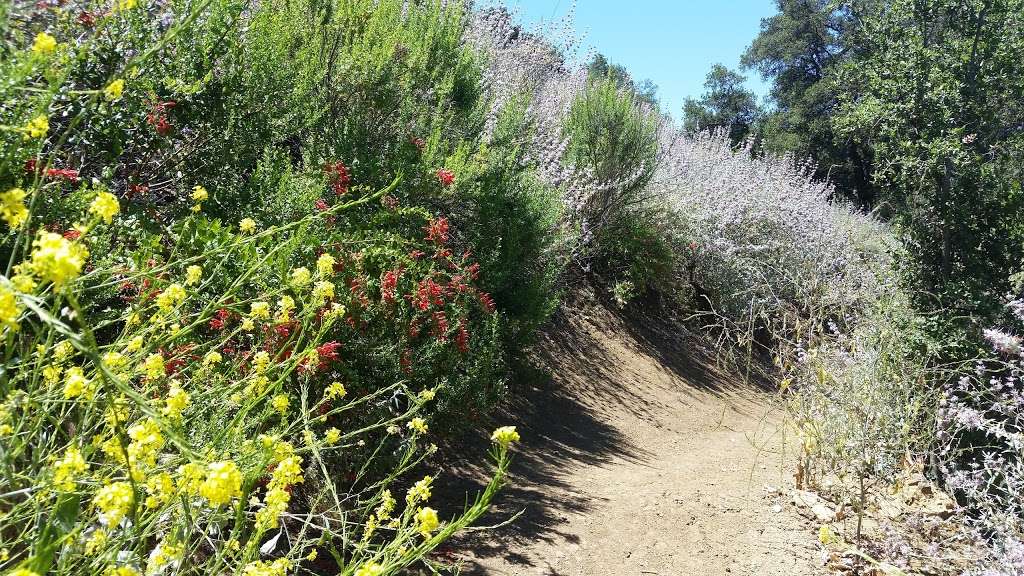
<point x="639" y="458"/>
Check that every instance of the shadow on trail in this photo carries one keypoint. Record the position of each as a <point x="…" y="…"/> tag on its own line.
<point x="560" y="412"/>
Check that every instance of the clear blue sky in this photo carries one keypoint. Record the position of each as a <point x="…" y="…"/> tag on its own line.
<point x="671" y="42"/>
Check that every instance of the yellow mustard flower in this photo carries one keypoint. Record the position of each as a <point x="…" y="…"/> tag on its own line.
<point x="325" y="265"/>
<point x="280" y="404"/>
<point x="153" y="365"/>
<point x="370" y="569"/>
<point x="176" y="401"/>
<point x="10" y="310"/>
<point x="193" y="274"/>
<point x="96" y="541"/>
<point x="323" y="291"/>
<point x="199" y="194"/>
<point x="57" y="259"/>
<point x="146" y="442"/>
<point x="426" y="521"/>
<point x="212" y="357"/>
<point x="171" y="297"/>
<point x="336" y="390"/>
<point x="260" y="310"/>
<point x="505" y="435"/>
<point x="418" y="424"/>
<point x="36" y="127"/>
<point x="160" y="490"/>
<point x="223" y="482"/>
<point x="332" y="436"/>
<point x="105" y="206"/>
<point x="114" y="501"/>
<point x="67" y="469"/>
<point x="44" y="43"/>
<point x="120" y="571"/>
<point x="114" y="90"/>
<point x="420" y="491"/>
<point x="12" y="207"/>
<point x="300" y="277"/>
<point x="247" y="226"/>
<point x="76" y="384"/>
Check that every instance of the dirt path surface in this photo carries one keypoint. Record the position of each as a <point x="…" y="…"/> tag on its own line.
<point x="638" y="458"/>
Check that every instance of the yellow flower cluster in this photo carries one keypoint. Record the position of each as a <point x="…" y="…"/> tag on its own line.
<point x="68" y="469"/>
<point x="114" y="90"/>
<point x="223" y="482"/>
<point x="193" y="274"/>
<point x="260" y="310"/>
<point x="420" y="491"/>
<point x="9" y="307"/>
<point x="56" y="259"/>
<point x="300" y="277"/>
<point x="280" y="404"/>
<point x="323" y="291"/>
<point x="505" y="435"/>
<point x="12" y="207"/>
<point x="153" y="366"/>
<point x="146" y="443"/>
<point x="287" y="473"/>
<point x="160" y="489"/>
<point x="278" y="567"/>
<point x="332" y="436"/>
<point x="426" y="521"/>
<point x="105" y="206"/>
<point x="36" y="127"/>
<point x="77" y="385"/>
<point x="418" y="425"/>
<point x="44" y="43"/>
<point x="114" y="501"/>
<point x="247" y="226"/>
<point x="371" y="569"/>
<point x="200" y="195"/>
<point x="336" y="390"/>
<point x="325" y="265"/>
<point x="171" y="297"/>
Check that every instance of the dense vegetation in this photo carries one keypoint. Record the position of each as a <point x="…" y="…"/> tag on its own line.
<point x="257" y="253"/>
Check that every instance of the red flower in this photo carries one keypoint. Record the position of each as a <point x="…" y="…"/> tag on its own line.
<point x="137" y="189"/>
<point x="440" y="330"/>
<point x="416" y="254"/>
<point x="445" y="177"/>
<point x="405" y="361"/>
<point x="321" y="205"/>
<point x="86" y="19"/>
<point x="72" y="234"/>
<point x="31" y="165"/>
<point x="157" y="117"/>
<point x="462" y="338"/>
<point x="328" y="351"/>
<point x="340" y="177"/>
<point x="437" y="230"/>
<point x="388" y="285"/>
<point x="68" y="174"/>
<point x="487" y="302"/>
<point x="418" y="142"/>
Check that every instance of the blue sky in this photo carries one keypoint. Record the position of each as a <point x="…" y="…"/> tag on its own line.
<point x="672" y="42"/>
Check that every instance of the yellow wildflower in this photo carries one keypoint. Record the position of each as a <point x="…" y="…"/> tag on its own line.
<point x="420" y="491"/>
<point x="336" y="390"/>
<point x="76" y="384"/>
<point x="223" y="482"/>
<point x="12" y="207"/>
<point x="426" y="521"/>
<point x="212" y="357"/>
<point x="114" y="90"/>
<point x="146" y="442"/>
<point x="105" y="206"/>
<point x="505" y="435"/>
<point x="176" y="402"/>
<point x="120" y="571"/>
<point x="154" y="366"/>
<point x="171" y="297"/>
<point x="44" y="43"/>
<point x="114" y="360"/>
<point x="247" y="325"/>
<point x="260" y="361"/>
<point x="260" y="310"/>
<point x="23" y="572"/>
<point x="67" y="469"/>
<point x="199" y="194"/>
<point x="323" y="291"/>
<point x="134" y="345"/>
<point x="9" y="307"/>
<point x="193" y="274"/>
<point x="418" y="424"/>
<point x="387" y="505"/>
<point x="285" y="305"/>
<point x="247" y="226"/>
<point x="36" y="127"/>
<point x="325" y="265"/>
<point x="164" y="554"/>
<point x="300" y="277"/>
<point x="370" y="569"/>
<point x="126" y="4"/>
<point x="160" y="488"/>
<point x="114" y="501"/>
<point x="280" y="404"/>
<point x="23" y="282"/>
<point x="428" y="394"/>
<point x="96" y="542"/>
<point x="190" y="477"/>
<point x="278" y="567"/>
<point x="57" y="259"/>
<point x="332" y="436"/>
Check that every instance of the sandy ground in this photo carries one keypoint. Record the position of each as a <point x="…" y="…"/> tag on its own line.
<point x="638" y="457"/>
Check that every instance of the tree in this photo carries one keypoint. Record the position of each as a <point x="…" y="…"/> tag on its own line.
<point x="601" y="68"/>
<point x="798" y="50"/>
<point x="936" y="93"/>
<point x="725" y="104"/>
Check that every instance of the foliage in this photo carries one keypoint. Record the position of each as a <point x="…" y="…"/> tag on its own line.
<point x="935" y="95"/>
<point x="798" y="50"/>
<point x="725" y="104"/>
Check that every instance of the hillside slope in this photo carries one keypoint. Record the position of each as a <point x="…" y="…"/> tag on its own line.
<point x="640" y="457"/>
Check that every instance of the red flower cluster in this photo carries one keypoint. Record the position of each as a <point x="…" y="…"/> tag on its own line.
<point x="340" y="177"/>
<point x="220" y="319"/>
<point x="157" y="117"/>
<point x="437" y="231"/>
<point x="445" y="177"/>
<point x="418" y="142"/>
<point x="68" y="174"/>
<point x="86" y="19"/>
<point x="388" y="285"/>
<point x="487" y="302"/>
<point x="462" y="337"/>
